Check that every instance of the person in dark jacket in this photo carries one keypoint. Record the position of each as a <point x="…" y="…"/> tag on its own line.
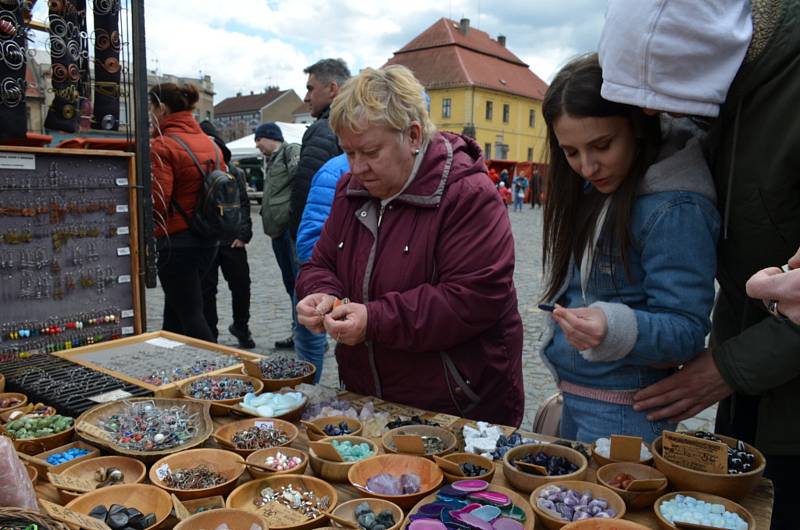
<point x="737" y="62"/>
<point x="232" y="259"/>
<point x="421" y="245"/>
<point x="183" y="257"/>
<point x="325" y="77"/>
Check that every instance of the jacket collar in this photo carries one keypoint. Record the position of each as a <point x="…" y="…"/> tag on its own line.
<point x="178" y="122"/>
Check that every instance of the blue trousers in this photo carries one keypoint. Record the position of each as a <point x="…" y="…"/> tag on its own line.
<point x="285" y="255"/>
<point x="310" y="346"/>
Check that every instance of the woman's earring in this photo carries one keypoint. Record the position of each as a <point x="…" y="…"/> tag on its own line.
<point x="416" y="151"/>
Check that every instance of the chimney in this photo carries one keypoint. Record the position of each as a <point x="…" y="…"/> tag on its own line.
<point x="238" y="94"/>
<point x="501" y="40"/>
<point x="251" y="92"/>
<point x="464" y="25"/>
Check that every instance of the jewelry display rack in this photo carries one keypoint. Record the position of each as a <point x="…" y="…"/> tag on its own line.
<point x="68" y="249"/>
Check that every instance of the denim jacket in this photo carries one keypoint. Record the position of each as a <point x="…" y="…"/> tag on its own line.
<point x="658" y="314"/>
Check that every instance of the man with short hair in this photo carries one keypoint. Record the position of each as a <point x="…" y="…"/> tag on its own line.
<point x="281" y="162"/>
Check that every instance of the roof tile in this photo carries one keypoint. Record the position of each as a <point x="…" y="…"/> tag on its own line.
<point x="248" y="103"/>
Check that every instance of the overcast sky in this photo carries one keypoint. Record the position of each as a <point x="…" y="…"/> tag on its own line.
<point x="246" y="45"/>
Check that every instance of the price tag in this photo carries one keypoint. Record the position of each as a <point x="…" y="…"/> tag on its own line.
<point x="444" y="420"/>
<point x="114" y="395"/>
<point x="625" y="448"/>
<point x="162" y="471"/>
<point x="181" y="512"/>
<point x="122" y="208"/>
<point x="127" y="330"/>
<point x="123" y="230"/>
<point x="695" y="453"/>
<point x="161" y="342"/>
<point x="409" y="443"/>
<point x="265" y="424"/>
<point x="276" y="514"/>
<point x="71" y="483"/>
<point x="124" y="251"/>
<point x="122" y="182"/>
<point x="76" y="519"/>
<point x="326" y="451"/>
<point x="93" y="430"/>
<point x="127" y="313"/>
<point x="125" y="278"/>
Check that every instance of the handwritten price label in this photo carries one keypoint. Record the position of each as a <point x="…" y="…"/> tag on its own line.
<point x="695" y="453"/>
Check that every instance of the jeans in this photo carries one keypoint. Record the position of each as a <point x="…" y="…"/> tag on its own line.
<point x="586" y="420"/>
<point x="310" y="346"/>
<point x="180" y="271"/>
<point x="283" y="248"/>
<point x="236" y="271"/>
<point x="518" y="202"/>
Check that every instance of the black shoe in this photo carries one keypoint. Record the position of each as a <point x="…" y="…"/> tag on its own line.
<point x="244" y="336"/>
<point x="285" y="344"/>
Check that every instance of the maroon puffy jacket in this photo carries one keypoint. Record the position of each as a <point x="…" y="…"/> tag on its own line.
<point x="443" y="330"/>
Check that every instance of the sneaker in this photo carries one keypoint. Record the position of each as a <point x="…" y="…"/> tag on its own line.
<point x="244" y="337"/>
<point x="285" y="344"/>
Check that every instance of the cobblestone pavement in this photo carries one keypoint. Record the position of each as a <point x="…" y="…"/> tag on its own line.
<point x="270" y="318"/>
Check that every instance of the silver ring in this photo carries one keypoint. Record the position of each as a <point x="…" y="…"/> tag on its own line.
<point x="772" y="307"/>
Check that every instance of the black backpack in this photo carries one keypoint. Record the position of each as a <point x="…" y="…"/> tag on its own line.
<point x="217" y="214"/>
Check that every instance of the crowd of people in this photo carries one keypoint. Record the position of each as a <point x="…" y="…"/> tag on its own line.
<point x="672" y="163"/>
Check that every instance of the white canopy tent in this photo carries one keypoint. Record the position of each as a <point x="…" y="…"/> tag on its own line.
<point x="246" y="147"/>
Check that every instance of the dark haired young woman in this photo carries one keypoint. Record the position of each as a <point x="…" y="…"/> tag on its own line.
<point x="183" y="257"/>
<point x="630" y="230"/>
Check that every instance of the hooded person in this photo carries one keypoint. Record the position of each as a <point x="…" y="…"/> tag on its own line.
<point x="735" y="61"/>
<point x="419" y="243"/>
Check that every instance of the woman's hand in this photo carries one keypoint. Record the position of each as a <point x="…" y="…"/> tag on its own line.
<point x="347" y="323"/>
<point x="312" y="309"/>
<point x="583" y="327"/>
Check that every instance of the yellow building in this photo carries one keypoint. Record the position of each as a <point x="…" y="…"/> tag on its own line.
<point x="480" y="88"/>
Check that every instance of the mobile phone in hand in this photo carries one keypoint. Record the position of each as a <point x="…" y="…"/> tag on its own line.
<point x="547" y="307"/>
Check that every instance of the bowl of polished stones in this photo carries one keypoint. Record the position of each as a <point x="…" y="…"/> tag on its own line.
<point x="332" y="457"/>
<point x="146" y="428"/>
<point x="31" y="409"/>
<point x="286" y="502"/>
<point x="458" y="466"/>
<point x="198" y="473"/>
<point x="424" y="440"/>
<point x="223" y="518"/>
<point x="695" y="508"/>
<point x="276" y="461"/>
<point x="11" y="400"/>
<point x="319" y="428"/>
<point x="401" y="479"/>
<point x="745" y="467"/>
<point x="135" y="506"/>
<point x="369" y="514"/>
<point x="601" y="453"/>
<point x="280" y="371"/>
<point x="246" y="436"/>
<point x="471" y="503"/>
<point x="101" y="472"/>
<point x="221" y="390"/>
<point x="637" y="484"/>
<point x="562" y="502"/>
<point x="604" y="524"/>
<point x="283" y="404"/>
<point x="33" y="434"/>
<point x="528" y="466"/>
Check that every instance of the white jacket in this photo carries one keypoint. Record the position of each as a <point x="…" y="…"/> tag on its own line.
<point x="673" y="55"/>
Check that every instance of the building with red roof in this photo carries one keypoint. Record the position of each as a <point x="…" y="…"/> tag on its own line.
<point x="479" y="87"/>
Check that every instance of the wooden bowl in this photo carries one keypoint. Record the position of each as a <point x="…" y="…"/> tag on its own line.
<point x="634" y="500"/>
<point x="143" y="497"/>
<point x="729" y="505"/>
<point x="396" y="464"/>
<point x="216" y="410"/>
<point x="469" y="458"/>
<point x="253" y="369"/>
<point x="235" y="519"/>
<point x="86" y="425"/>
<point x="226" y="463"/>
<point x="449" y="439"/>
<point x="215" y="502"/>
<point x="243" y="497"/>
<point x="336" y="471"/>
<point x="528" y="482"/>
<point x="552" y="523"/>
<point x="516" y="499"/>
<point x="2" y="383"/>
<point x="354" y="425"/>
<point x="5" y="417"/>
<point x="33" y="446"/>
<point x="346" y="510"/>
<point x="602" y="460"/>
<point x="33" y="473"/>
<point x="224" y="434"/>
<point x="728" y="486"/>
<point x="22" y="397"/>
<point x="293" y="415"/>
<point x="604" y="524"/>
<point x="133" y="470"/>
<point x="260" y="456"/>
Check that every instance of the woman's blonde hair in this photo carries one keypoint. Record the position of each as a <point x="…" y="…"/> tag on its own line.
<point x="391" y="96"/>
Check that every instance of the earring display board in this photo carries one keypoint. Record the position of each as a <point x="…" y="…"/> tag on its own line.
<point x="159" y="361"/>
<point x="68" y="249"/>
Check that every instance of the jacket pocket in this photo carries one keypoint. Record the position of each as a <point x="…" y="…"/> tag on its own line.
<point x="275" y="216"/>
<point x="462" y="395"/>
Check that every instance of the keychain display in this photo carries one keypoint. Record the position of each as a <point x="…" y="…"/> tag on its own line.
<point x="13" y="63"/>
<point x="107" y="71"/>
<point x="68" y="46"/>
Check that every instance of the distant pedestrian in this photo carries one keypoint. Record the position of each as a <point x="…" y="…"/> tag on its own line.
<point x="520" y="186"/>
<point x="504" y="192"/>
<point x="232" y="259"/>
<point x="281" y="163"/>
<point x="536" y="189"/>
